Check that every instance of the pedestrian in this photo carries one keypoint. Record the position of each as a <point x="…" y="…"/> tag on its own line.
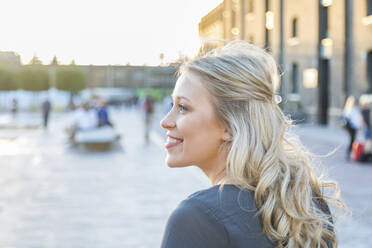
<point x="225" y="120"/>
<point x="102" y="114"/>
<point x="366" y="116"/>
<point x="14" y="108"/>
<point x="148" y="106"/>
<point x="46" y="107"/>
<point x="167" y="104"/>
<point x="353" y="121"/>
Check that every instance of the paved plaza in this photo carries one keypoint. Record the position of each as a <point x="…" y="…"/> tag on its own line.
<point x="54" y="195"/>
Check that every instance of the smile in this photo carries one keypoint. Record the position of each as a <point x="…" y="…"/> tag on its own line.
<point x="171" y="142"/>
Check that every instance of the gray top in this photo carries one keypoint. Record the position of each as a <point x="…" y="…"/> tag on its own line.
<point x="214" y="219"/>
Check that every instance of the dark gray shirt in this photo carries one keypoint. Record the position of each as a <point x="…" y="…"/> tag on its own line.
<point x="218" y="219"/>
<point x="213" y="218"/>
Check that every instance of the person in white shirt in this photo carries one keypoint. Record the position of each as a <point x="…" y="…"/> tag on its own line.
<point x="83" y="118"/>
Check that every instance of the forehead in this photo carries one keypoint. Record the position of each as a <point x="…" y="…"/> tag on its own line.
<point x="189" y="85"/>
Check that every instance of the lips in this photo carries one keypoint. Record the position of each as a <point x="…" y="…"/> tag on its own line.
<point x="172" y="142"/>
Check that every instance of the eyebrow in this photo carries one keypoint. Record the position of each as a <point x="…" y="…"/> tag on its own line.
<point x="181" y="97"/>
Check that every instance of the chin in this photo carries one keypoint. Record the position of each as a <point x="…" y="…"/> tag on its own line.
<point x="174" y="163"/>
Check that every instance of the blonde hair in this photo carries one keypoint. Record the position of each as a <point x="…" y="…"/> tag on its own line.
<point x="263" y="156"/>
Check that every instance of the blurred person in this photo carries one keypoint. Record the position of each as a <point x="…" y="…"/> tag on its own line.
<point x="167" y="104"/>
<point x="366" y="113"/>
<point x="102" y="114"/>
<point x="148" y="108"/>
<point x="14" y="107"/>
<point x="364" y="102"/>
<point x="46" y="107"/>
<point x="265" y="193"/>
<point x="84" y="118"/>
<point x="354" y="121"/>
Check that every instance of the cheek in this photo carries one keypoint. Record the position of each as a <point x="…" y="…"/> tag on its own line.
<point x="201" y="138"/>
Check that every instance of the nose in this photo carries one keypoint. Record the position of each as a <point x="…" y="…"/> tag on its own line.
<point x="168" y="121"/>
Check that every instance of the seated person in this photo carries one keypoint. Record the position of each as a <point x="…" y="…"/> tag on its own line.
<point x="83" y="118"/>
<point x="102" y="114"/>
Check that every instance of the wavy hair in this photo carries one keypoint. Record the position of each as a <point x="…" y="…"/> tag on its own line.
<point x="263" y="155"/>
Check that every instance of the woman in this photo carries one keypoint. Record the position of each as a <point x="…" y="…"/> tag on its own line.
<point x="354" y="121"/>
<point x="264" y="191"/>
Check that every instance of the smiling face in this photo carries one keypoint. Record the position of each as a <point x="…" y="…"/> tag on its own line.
<point x="194" y="132"/>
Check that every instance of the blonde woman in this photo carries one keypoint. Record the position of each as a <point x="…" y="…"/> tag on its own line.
<point x="264" y="192"/>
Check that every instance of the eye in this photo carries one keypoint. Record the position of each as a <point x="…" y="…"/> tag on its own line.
<point x="182" y="108"/>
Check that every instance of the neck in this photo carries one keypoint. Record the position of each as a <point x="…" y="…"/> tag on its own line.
<point x="215" y="169"/>
<point x="218" y="178"/>
<point x="216" y="174"/>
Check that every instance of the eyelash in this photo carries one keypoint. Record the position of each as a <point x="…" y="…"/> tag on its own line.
<point x="181" y="107"/>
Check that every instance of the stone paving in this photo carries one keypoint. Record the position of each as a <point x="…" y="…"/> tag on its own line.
<point x="52" y="195"/>
<point x="355" y="181"/>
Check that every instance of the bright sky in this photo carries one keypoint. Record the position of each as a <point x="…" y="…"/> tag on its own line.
<point x="102" y="32"/>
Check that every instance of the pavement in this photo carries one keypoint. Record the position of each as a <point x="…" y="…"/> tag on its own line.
<point x="54" y="195"/>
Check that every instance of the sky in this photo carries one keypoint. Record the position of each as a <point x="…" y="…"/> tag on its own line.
<point x="102" y="32"/>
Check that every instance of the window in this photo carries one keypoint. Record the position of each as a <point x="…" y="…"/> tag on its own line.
<point x="294" y="27"/>
<point x="295" y="77"/>
<point x="251" y="39"/>
<point x="234" y="29"/>
<point x="369" y="69"/>
<point x="250" y="6"/>
<point x="233" y="14"/>
<point x="369" y="7"/>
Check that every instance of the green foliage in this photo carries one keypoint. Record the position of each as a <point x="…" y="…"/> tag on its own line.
<point x="7" y="80"/>
<point x="54" y="61"/>
<point x="156" y="93"/>
<point x="33" y="79"/>
<point x="70" y="79"/>
<point x="35" y="61"/>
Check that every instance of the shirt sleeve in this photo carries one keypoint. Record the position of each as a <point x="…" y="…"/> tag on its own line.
<point x="190" y="226"/>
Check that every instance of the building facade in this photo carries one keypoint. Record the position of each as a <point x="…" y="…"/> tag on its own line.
<point x="316" y="36"/>
<point x="9" y="59"/>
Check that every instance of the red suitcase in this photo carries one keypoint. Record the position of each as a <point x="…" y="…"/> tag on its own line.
<point x="358" y="149"/>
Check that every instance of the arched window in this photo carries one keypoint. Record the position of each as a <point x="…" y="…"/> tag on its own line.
<point x="369" y="7"/>
<point x="294" y="27"/>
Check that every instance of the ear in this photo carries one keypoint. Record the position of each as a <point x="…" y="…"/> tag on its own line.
<point x="226" y="136"/>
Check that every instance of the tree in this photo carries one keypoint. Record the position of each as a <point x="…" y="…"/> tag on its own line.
<point x="7" y="82"/>
<point x="54" y="61"/>
<point x="71" y="79"/>
<point x="33" y="79"/>
<point x="35" y="61"/>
